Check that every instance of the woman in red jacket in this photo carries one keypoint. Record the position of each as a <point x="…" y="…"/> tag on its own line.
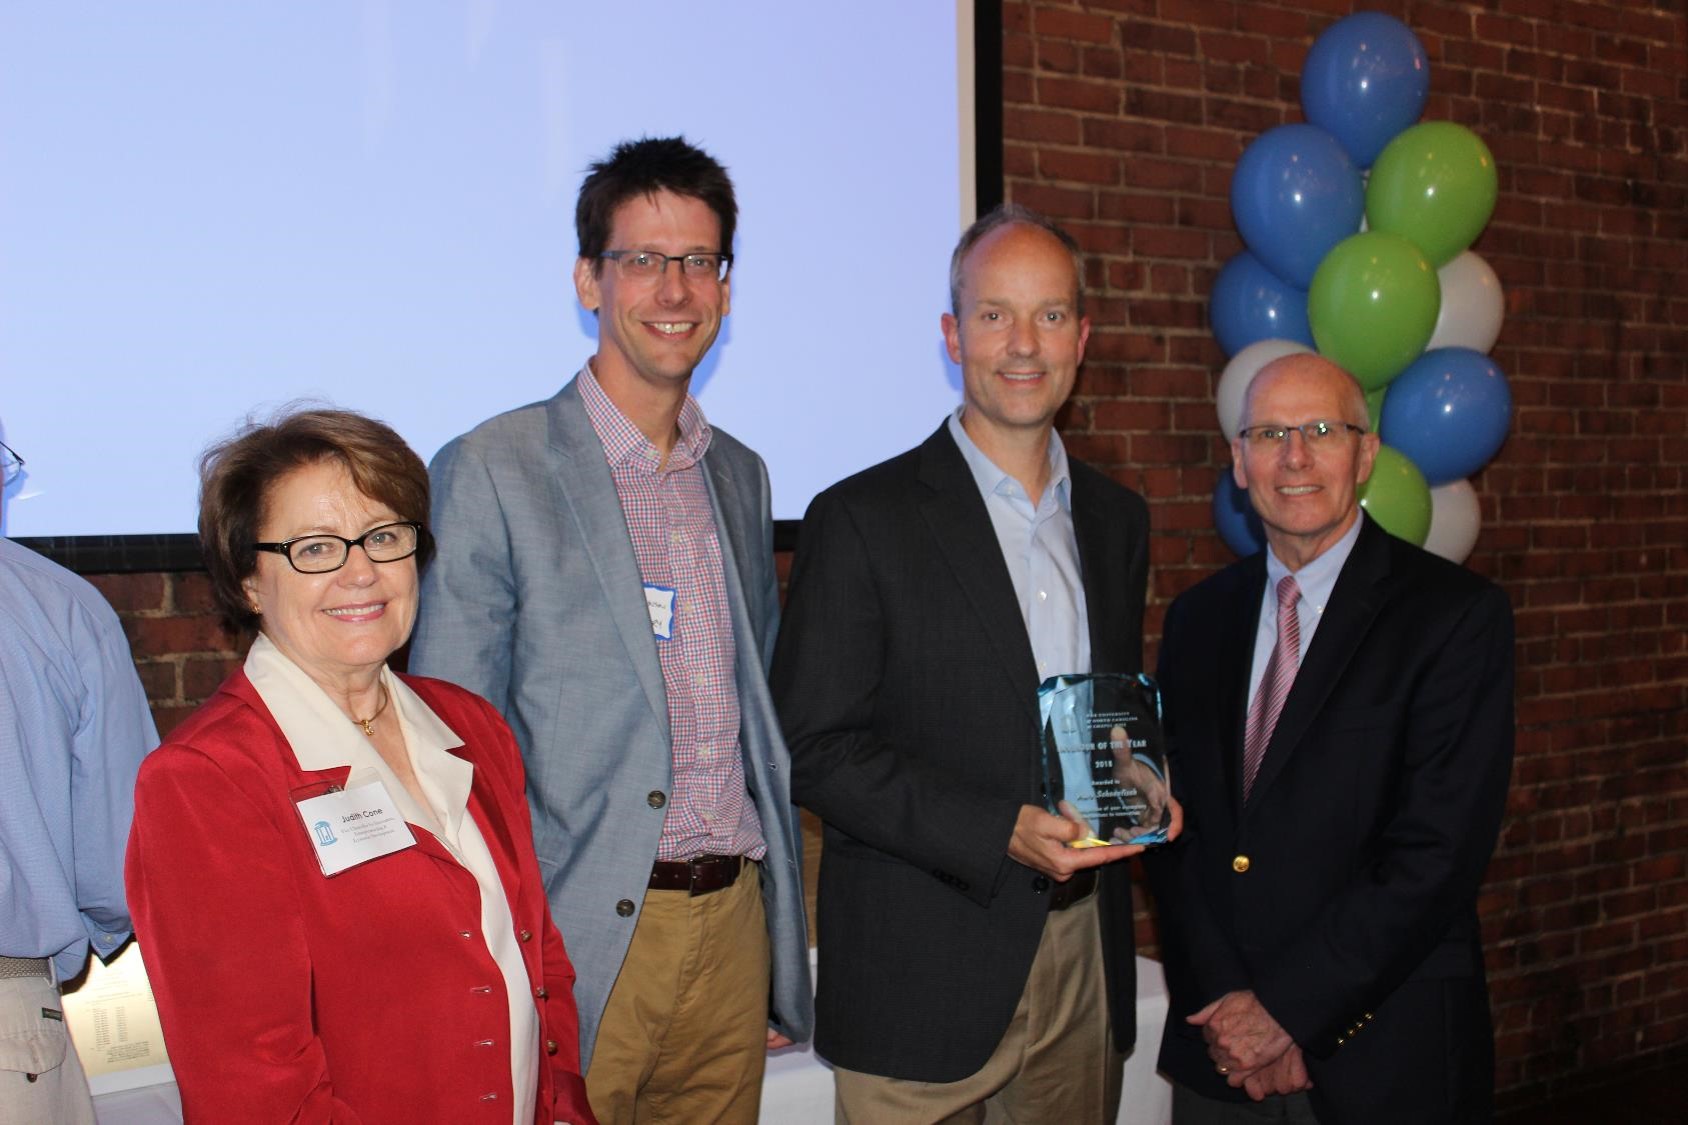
<point x="331" y="868"/>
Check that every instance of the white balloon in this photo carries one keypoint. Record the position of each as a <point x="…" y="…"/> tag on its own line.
<point x="1244" y="366"/>
<point x="1472" y="305"/>
<point x="1454" y="521"/>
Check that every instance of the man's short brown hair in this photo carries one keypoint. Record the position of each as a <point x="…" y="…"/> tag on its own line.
<point x="643" y="168"/>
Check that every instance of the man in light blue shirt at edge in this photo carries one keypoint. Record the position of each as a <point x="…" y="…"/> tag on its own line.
<point x="74" y="726"/>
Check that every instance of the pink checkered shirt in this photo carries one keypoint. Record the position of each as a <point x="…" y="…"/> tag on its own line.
<point x="672" y="524"/>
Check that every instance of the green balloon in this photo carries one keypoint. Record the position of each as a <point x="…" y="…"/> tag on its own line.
<point x="1374" y="407"/>
<point x="1435" y="185"/>
<point x="1373" y="305"/>
<point x="1397" y="497"/>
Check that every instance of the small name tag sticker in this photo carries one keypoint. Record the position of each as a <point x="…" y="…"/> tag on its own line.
<point x="659" y="603"/>
<point x="352" y="826"/>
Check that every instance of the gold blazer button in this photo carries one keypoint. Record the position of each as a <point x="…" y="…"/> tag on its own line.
<point x="1240" y="864"/>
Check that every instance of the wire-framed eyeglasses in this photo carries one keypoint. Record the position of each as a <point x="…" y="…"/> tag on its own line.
<point x="10" y="462"/>
<point x="322" y="553"/>
<point x="1320" y="431"/>
<point x="648" y="265"/>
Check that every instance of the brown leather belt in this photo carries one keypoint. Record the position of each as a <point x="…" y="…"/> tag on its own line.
<point x="1074" y="890"/>
<point x="699" y="875"/>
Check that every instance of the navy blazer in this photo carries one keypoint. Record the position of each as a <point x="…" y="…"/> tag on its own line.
<point x="907" y="687"/>
<point x="1343" y="893"/>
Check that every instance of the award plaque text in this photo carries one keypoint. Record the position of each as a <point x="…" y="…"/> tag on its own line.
<point x="1103" y="757"/>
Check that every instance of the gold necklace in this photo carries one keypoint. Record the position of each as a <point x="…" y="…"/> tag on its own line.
<point x="368" y="724"/>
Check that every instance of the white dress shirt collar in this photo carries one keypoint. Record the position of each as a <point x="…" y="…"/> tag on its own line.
<point x="322" y="738"/>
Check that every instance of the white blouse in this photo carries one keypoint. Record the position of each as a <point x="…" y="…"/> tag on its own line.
<point x="323" y="738"/>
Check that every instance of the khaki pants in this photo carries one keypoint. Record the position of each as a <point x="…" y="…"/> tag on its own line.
<point x="1056" y="1061"/>
<point x="35" y="1045"/>
<point x="684" y="1036"/>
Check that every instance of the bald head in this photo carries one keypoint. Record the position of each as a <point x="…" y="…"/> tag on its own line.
<point x="1313" y="373"/>
<point x="1303" y="483"/>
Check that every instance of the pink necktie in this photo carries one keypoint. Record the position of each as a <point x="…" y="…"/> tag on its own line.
<point x="1274" y="685"/>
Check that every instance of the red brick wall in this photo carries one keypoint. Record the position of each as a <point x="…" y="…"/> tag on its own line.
<point x="180" y="650"/>
<point x="1125" y="119"/>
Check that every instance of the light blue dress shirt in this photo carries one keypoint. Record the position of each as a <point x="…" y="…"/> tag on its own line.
<point x="1041" y="550"/>
<point x="1316" y="581"/>
<point x="74" y="726"/>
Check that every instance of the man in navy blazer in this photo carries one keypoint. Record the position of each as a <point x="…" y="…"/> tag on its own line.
<point x="605" y="577"/>
<point x="1339" y="714"/>
<point x="970" y="961"/>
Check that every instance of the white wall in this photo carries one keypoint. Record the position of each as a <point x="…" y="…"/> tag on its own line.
<point x="211" y="207"/>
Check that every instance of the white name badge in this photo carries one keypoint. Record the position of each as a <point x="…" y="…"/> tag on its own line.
<point x="353" y="826"/>
<point x="659" y="603"/>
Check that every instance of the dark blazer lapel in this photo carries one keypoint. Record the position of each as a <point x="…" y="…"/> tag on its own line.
<point x="956" y="516"/>
<point x="1101" y="590"/>
<point x="584" y="488"/>
<point x="1239" y="617"/>
<point x="1353" y="605"/>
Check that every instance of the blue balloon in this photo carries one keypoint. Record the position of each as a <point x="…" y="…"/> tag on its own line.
<point x="1365" y="80"/>
<point x="1250" y="303"/>
<point x="1294" y="195"/>
<point x="1234" y="518"/>
<point x="1449" y="412"/>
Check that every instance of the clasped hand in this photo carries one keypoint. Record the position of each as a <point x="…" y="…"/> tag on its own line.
<point x="1250" y="1048"/>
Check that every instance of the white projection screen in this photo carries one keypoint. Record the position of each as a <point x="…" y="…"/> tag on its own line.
<point x="208" y="209"/>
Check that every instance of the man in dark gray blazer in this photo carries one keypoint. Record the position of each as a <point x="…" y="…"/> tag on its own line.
<point x="1339" y="713"/>
<point x="605" y="577"/>
<point x="968" y="956"/>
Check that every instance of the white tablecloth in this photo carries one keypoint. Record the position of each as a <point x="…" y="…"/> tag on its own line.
<point x="798" y="1086"/>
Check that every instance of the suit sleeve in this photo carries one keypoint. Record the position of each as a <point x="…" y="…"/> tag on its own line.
<point x="465" y="622"/>
<point x="221" y="928"/>
<point x="829" y="666"/>
<point x="1193" y="942"/>
<point x="1457" y="758"/>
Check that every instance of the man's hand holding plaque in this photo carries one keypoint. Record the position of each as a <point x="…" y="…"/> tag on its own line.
<point x="1103" y="760"/>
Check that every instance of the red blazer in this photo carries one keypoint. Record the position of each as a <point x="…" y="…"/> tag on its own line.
<point x="287" y="996"/>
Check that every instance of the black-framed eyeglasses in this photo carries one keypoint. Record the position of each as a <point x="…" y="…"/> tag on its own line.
<point x="320" y="554"/>
<point x="648" y="265"/>
<point x="11" y="462"/>
<point x="1318" y="432"/>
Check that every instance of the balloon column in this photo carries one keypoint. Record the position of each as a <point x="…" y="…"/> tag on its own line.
<point x="1400" y="300"/>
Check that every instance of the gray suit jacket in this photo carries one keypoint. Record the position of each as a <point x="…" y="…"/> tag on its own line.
<point x="535" y="601"/>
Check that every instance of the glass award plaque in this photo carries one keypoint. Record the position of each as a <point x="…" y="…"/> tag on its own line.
<point x="1103" y="757"/>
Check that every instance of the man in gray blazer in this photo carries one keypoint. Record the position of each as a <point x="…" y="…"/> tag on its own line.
<point x="605" y="577"/>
